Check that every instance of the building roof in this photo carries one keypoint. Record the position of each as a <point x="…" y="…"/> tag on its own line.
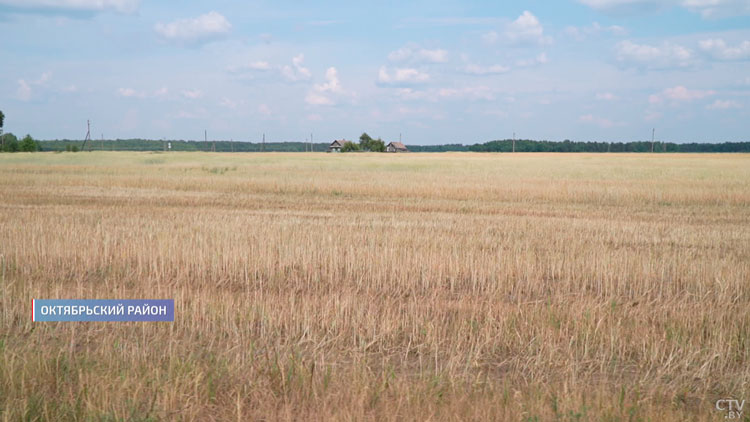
<point x="397" y="145"/>
<point x="339" y="142"/>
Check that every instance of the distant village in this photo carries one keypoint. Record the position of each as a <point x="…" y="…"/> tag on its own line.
<point x="343" y="145"/>
<point x="366" y="143"/>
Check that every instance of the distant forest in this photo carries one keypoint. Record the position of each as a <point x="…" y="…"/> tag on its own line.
<point x="506" y="145"/>
<point x="180" y="145"/>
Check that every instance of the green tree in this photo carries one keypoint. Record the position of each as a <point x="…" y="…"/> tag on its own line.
<point x="28" y="144"/>
<point x="350" y="146"/>
<point x="377" y="145"/>
<point x="364" y="141"/>
<point x="10" y="143"/>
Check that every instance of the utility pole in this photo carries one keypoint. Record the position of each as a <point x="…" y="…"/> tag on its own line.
<point x="102" y="142"/>
<point x="205" y="137"/>
<point x="653" y="131"/>
<point x="514" y="141"/>
<point x="312" y="146"/>
<point x="88" y="134"/>
<point x="263" y="145"/>
<point x="231" y="141"/>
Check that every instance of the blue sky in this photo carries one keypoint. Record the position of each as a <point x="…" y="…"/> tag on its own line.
<point x="435" y="72"/>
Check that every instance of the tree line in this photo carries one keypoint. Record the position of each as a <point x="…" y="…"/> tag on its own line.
<point x="527" y="145"/>
<point x="367" y="143"/>
<point x="10" y="143"/>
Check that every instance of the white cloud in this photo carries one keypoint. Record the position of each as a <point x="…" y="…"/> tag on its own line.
<point x="230" y="103"/>
<point x="526" y="29"/>
<point x="43" y="79"/>
<point x="260" y="65"/>
<point x="210" y="26"/>
<point x="133" y="93"/>
<point x="626" y="6"/>
<point x="595" y="29"/>
<point x="667" y="55"/>
<point x="605" y="96"/>
<point x="496" y="69"/>
<point x="490" y="37"/>
<point x="723" y="105"/>
<point x="599" y="121"/>
<point x="411" y="94"/>
<point x="332" y="83"/>
<point x="316" y="98"/>
<point x="325" y="93"/>
<point x="471" y="93"/>
<point x="415" y="54"/>
<point x="199" y="113"/>
<point x="496" y="113"/>
<point x="718" y="49"/>
<point x="257" y="66"/>
<point x="130" y="92"/>
<point x="679" y="94"/>
<point x="264" y="110"/>
<point x="717" y="8"/>
<point x="706" y="8"/>
<point x="401" y="76"/>
<point x="192" y="93"/>
<point x="296" y="72"/>
<point x="120" y="6"/>
<point x="25" y="88"/>
<point x="541" y="58"/>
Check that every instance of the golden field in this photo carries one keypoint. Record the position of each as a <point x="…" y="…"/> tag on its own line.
<point x="456" y="286"/>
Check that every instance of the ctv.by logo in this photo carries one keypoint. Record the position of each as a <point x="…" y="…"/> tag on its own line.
<point x="732" y="407"/>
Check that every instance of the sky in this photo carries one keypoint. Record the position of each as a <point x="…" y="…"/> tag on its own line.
<point x="430" y="72"/>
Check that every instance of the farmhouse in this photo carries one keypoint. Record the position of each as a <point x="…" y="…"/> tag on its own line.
<point x="337" y="145"/>
<point x="396" y="147"/>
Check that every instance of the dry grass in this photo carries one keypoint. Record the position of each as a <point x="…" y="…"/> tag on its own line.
<point x="381" y="287"/>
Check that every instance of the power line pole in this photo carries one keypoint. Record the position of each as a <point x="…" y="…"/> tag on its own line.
<point x="653" y="131"/>
<point x="514" y="141"/>
<point x="88" y="134"/>
<point x="205" y="137"/>
<point x="263" y="145"/>
<point x="312" y="146"/>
